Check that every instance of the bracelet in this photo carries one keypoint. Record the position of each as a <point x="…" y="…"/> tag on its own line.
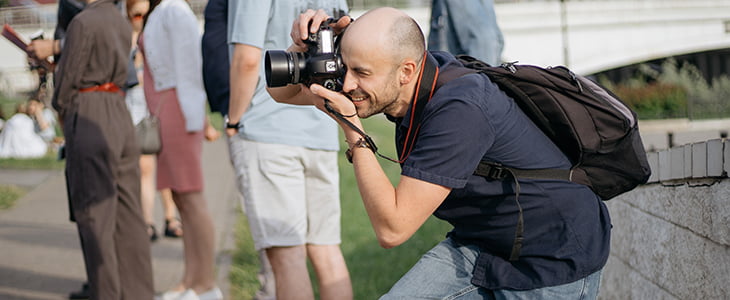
<point x="360" y="143"/>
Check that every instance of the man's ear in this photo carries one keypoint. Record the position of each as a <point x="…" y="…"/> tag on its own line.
<point x="408" y="71"/>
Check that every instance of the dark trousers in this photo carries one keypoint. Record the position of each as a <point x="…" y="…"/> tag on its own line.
<point x="102" y="174"/>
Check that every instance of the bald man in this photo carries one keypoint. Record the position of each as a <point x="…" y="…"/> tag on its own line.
<point x="566" y="227"/>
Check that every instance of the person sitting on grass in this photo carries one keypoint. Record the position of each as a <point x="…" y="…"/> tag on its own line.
<point x="18" y="139"/>
<point x="44" y="119"/>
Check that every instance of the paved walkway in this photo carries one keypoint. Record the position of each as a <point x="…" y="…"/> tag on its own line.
<point x="40" y="256"/>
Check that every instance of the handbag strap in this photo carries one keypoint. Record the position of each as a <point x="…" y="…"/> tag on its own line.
<point x="157" y="110"/>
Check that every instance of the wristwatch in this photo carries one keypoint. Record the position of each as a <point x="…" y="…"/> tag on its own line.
<point x="234" y="125"/>
<point x="360" y="143"/>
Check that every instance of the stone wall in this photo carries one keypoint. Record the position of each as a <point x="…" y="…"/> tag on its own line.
<point x="671" y="237"/>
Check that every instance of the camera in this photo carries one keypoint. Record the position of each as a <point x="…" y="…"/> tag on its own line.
<point x="321" y="63"/>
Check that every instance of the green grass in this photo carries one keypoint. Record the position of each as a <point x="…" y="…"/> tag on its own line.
<point x="245" y="264"/>
<point x="373" y="270"/>
<point x="9" y="194"/>
<point x="7" y="106"/>
<point x="49" y="161"/>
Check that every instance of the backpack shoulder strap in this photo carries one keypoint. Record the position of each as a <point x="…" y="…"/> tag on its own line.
<point x="493" y="170"/>
<point x="488" y="169"/>
<point x="446" y="75"/>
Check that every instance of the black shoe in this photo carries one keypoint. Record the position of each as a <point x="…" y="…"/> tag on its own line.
<point x="82" y="294"/>
<point x="173" y="228"/>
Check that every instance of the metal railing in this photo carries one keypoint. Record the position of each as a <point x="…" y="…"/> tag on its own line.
<point x="45" y="16"/>
<point x="367" y="4"/>
<point x="41" y="16"/>
<point x="15" y="82"/>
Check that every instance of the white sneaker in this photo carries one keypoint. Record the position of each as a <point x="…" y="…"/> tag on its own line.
<point x="169" y="295"/>
<point x="189" y="294"/>
<point x="211" y="294"/>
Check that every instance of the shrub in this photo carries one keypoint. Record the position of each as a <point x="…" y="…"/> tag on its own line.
<point x="654" y="101"/>
<point x="674" y="91"/>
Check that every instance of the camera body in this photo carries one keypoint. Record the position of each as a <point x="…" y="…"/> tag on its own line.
<point x="321" y="64"/>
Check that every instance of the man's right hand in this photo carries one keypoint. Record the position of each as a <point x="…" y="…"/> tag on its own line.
<point x="42" y="49"/>
<point x="308" y="22"/>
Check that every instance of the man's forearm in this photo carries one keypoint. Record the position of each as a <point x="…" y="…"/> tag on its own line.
<point x="291" y="94"/>
<point x="378" y="196"/>
<point x="243" y="86"/>
<point x="244" y="76"/>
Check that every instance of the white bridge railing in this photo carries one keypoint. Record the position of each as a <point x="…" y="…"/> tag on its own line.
<point x="597" y="34"/>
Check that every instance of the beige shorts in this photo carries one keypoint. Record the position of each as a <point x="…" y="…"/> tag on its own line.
<point x="291" y="194"/>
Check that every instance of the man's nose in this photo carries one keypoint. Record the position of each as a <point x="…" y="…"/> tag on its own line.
<point x="348" y="84"/>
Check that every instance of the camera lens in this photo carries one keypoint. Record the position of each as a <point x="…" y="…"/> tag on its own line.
<point x="277" y="68"/>
<point x="283" y="67"/>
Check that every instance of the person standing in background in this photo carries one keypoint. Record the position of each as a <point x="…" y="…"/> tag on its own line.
<point x="136" y="9"/>
<point x="216" y="64"/>
<point x="102" y="157"/>
<point x="284" y="157"/>
<point x="173" y="81"/>
<point x="466" y="27"/>
<point x="216" y="71"/>
<point x="45" y="48"/>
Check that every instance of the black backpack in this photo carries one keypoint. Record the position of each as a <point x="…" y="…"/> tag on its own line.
<point x="591" y="125"/>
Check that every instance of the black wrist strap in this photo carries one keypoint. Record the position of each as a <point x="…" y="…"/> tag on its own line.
<point x="367" y="139"/>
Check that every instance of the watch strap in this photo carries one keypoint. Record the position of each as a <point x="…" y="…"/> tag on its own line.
<point x="360" y="143"/>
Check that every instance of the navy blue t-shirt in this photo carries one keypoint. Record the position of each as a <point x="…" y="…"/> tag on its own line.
<point x="566" y="226"/>
<point x="216" y="65"/>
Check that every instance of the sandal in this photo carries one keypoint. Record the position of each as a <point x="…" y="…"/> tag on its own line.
<point x="173" y="228"/>
<point x="152" y="232"/>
